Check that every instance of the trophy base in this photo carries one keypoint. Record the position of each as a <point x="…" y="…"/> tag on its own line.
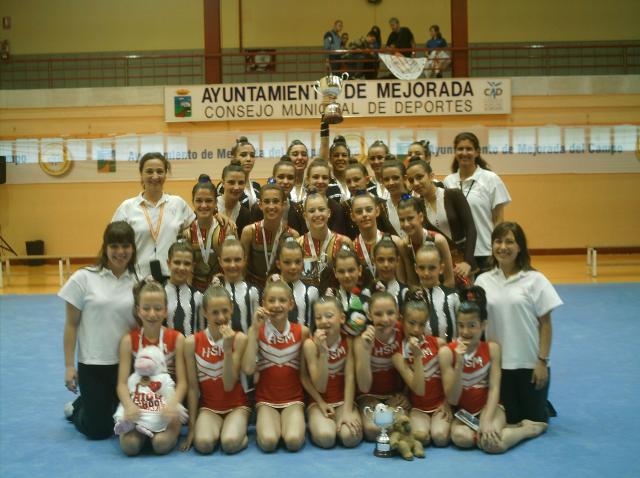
<point x="332" y="119"/>
<point x="384" y="453"/>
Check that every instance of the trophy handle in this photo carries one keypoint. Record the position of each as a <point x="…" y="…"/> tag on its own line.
<point x="368" y="412"/>
<point x="316" y="86"/>
<point x="345" y="76"/>
<point x="397" y="411"/>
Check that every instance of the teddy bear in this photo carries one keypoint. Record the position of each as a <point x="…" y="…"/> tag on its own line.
<point x="151" y="388"/>
<point x="401" y="439"/>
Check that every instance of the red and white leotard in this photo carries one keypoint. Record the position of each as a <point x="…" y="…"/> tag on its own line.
<point x="279" y="365"/>
<point x="337" y="360"/>
<point x="168" y="338"/>
<point x="385" y="379"/>
<point x="209" y="357"/>
<point x="475" y="378"/>
<point x="433" y="392"/>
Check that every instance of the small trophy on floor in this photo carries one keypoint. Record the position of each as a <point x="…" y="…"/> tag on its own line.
<point x="383" y="417"/>
<point x="330" y="86"/>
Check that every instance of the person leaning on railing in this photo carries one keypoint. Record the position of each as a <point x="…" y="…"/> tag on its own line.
<point x="400" y="37"/>
<point x="333" y="41"/>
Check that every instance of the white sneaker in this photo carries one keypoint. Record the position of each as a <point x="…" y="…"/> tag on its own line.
<point x="68" y="410"/>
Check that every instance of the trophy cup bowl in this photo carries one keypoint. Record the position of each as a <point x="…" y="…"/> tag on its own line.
<point x="330" y="86"/>
<point x="383" y="417"/>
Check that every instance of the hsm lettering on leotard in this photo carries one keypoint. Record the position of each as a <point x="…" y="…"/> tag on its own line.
<point x="212" y="351"/>
<point x="282" y="339"/>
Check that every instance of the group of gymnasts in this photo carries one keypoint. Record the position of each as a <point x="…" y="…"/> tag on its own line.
<point x="251" y="296"/>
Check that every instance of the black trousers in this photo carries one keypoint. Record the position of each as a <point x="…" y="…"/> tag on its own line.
<point x="520" y="398"/>
<point x="93" y="410"/>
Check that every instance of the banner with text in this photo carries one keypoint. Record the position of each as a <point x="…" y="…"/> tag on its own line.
<point x="271" y="101"/>
<point x="548" y="149"/>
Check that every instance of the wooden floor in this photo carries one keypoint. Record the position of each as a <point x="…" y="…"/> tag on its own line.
<point x="559" y="269"/>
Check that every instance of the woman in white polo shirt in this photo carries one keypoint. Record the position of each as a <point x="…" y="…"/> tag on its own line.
<point x="156" y="217"/>
<point x="484" y="190"/>
<point x="519" y="304"/>
<point x="99" y="311"/>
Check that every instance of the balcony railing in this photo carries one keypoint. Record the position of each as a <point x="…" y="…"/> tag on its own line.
<point x="268" y="65"/>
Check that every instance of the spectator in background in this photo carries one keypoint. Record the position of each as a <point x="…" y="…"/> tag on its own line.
<point x="363" y="64"/>
<point x="436" y="41"/>
<point x="400" y="37"/>
<point x="333" y="41"/>
<point x="375" y="30"/>
<point x="344" y="41"/>
<point x="346" y="65"/>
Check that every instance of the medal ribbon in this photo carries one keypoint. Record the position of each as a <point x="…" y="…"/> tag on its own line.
<point x="365" y="252"/>
<point x="160" y="339"/>
<point x="205" y="251"/>
<point x="155" y="232"/>
<point x="312" y="244"/>
<point x="270" y="257"/>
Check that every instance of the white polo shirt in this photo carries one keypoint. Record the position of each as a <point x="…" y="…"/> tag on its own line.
<point x="106" y="312"/>
<point x="514" y="306"/>
<point x="484" y="191"/>
<point x="177" y="215"/>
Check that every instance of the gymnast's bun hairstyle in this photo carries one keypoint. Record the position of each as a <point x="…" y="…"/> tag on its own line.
<point x="337" y="142"/>
<point x="473" y="300"/>
<point x="204" y="182"/>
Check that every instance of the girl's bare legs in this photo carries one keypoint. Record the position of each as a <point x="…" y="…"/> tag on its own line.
<point x="348" y="438"/>
<point x="165" y="441"/>
<point x="234" y="431"/>
<point x="420" y="426"/>
<point x="323" y="429"/>
<point x="461" y="435"/>
<point x="440" y="429"/>
<point x="293" y="426"/>
<point x="207" y="431"/>
<point x="511" y="436"/>
<point x="268" y="428"/>
<point x="131" y="443"/>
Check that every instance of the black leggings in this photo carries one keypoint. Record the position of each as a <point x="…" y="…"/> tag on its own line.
<point x="93" y="410"/>
<point x="520" y="398"/>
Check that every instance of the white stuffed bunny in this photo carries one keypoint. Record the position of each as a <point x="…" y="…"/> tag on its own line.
<point x="151" y="388"/>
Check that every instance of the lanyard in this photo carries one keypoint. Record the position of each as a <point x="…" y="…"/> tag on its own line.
<point x="155" y="232"/>
<point x="270" y="257"/>
<point x="473" y="182"/>
<point x="312" y="245"/>
<point x="365" y="252"/>
<point x="205" y="251"/>
<point x="160" y="340"/>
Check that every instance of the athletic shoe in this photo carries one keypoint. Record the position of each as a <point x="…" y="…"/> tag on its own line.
<point x="68" y="410"/>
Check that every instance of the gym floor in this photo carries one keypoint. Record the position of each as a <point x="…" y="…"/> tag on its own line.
<point x="593" y="388"/>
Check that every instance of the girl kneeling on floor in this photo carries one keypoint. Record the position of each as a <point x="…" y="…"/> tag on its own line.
<point x="151" y="310"/>
<point x="274" y="351"/>
<point x="329" y="359"/>
<point x="471" y="379"/>
<point x="417" y="363"/>
<point x="218" y="407"/>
